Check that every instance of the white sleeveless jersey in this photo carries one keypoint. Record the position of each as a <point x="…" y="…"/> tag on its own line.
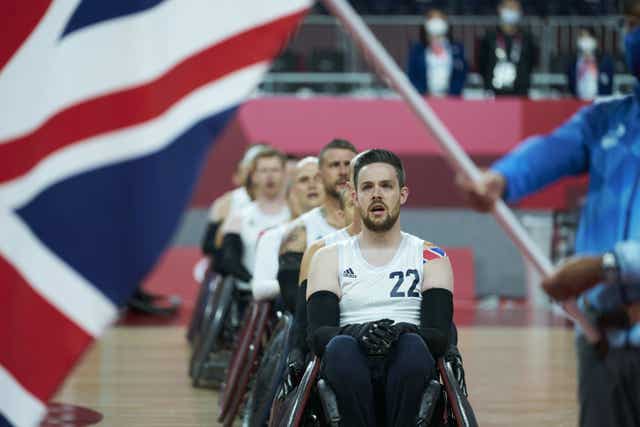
<point x="265" y="272"/>
<point x="255" y="222"/>
<point x="392" y="291"/>
<point x="316" y="226"/>
<point x="240" y="199"/>
<point x="337" y="236"/>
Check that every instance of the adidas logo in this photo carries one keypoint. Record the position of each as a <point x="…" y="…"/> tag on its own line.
<point x="349" y="273"/>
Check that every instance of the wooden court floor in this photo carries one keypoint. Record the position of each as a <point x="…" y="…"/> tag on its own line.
<point x="137" y="376"/>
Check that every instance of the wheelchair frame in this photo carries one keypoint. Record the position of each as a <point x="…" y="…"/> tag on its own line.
<point x="209" y="339"/>
<point x="243" y="361"/>
<point x="294" y="405"/>
<point x="277" y="347"/>
<point x="208" y="285"/>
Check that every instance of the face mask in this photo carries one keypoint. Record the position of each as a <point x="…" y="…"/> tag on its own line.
<point x="587" y="44"/>
<point x="509" y="16"/>
<point x="632" y="51"/>
<point x="436" y="27"/>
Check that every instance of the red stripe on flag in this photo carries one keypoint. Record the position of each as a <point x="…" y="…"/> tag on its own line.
<point x="38" y="344"/>
<point x="428" y="255"/>
<point x="145" y="102"/>
<point x="19" y="18"/>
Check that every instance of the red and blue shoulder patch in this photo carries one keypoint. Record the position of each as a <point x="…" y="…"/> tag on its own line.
<point x="431" y="253"/>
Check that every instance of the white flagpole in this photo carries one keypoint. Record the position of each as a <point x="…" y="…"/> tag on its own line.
<point x="388" y="71"/>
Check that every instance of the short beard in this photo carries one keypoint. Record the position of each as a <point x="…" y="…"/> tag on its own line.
<point x="379" y="227"/>
<point x="332" y="191"/>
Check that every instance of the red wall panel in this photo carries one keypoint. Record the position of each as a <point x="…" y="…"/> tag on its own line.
<point x="486" y="129"/>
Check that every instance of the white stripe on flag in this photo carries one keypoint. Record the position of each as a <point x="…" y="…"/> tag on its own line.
<point x="135" y="141"/>
<point x="18" y="406"/>
<point x="49" y="74"/>
<point x="48" y="275"/>
<point x="41" y="267"/>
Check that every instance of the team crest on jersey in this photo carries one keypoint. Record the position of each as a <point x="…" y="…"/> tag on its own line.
<point x="432" y="253"/>
<point x="349" y="273"/>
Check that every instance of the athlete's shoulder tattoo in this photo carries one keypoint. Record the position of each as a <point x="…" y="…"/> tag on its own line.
<point x="295" y="240"/>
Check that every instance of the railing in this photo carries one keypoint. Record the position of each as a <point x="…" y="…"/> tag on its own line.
<point x="543" y="85"/>
<point x="347" y="71"/>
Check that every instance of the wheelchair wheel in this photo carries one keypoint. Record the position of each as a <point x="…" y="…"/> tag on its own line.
<point x="209" y="284"/>
<point x="290" y="411"/>
<point x="463" y="415"/>
<point x="251" y="361"/>
<point x="269" y="375"/>
<point x="209" y="340"/>
<point x="237" y="365"/>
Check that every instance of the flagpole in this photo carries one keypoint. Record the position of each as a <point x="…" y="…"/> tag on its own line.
<point x="389" y="72"/>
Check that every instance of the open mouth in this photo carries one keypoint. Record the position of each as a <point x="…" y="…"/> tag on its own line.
<point x="313" y="195"/>
<point x="378" y="210"/>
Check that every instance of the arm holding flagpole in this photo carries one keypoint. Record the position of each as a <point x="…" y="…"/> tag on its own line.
<point x="388" y="70"/>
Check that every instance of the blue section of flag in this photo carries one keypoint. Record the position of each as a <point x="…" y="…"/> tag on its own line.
<point x="91" y="12"/>
<point x="111" y="224"/>
<point x="437" y="250"/>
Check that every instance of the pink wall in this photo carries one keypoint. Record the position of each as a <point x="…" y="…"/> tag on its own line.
<point x="486" y="129"/>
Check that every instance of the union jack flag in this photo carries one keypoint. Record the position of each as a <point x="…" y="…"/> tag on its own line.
<point x="431" y="253"/>
<point x="107" y="109"/>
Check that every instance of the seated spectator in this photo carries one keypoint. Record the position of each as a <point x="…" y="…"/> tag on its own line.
<point x="436" y="64"/>
<point x="589" y="74"/>
<point x="507" y="56"/>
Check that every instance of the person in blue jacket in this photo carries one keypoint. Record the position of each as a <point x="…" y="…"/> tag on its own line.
<point x="589" y="73"/>
<point x="603" y="140"/>
<point x="437" y="65"/>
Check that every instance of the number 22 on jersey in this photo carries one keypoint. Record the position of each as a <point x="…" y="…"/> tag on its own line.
<point x="397" y="290"/>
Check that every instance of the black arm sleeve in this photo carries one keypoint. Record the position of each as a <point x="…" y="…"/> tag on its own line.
<point x="323" y="316"/>
<point x="209" y="240"/>
<point x="436" y="314"/>
<point x="231" y="259"/>
<point x="299" y="328"/>
<point x="288" y="272"/>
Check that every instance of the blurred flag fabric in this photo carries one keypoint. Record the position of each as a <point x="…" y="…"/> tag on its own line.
<point x="107" y="110"/>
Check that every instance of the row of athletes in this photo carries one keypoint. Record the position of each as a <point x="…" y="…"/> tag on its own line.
<point x="602" y="140"/>
<point x="379" y="300"/>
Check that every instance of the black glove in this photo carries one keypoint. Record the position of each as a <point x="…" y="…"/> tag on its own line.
<point x="404" y="328"/>
<point x="453" y="357"/>
<point x="376" y="338"/>
<point x="294" y="370"/>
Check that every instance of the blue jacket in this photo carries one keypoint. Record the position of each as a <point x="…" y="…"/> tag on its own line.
<point x="417" y="69"/>
<point x="602" y="139"/>
<point x="628" y="257"/>
<point x="605" y="75"/>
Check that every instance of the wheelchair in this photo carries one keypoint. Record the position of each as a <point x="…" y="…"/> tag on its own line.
<point x="269" y="374"/>
<point x="248" y="365"/>
<point x="212" y="344"/>
<point x="243" y="361"/>
<point x="210" y="282"/>
<point x="313" y="404"/>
